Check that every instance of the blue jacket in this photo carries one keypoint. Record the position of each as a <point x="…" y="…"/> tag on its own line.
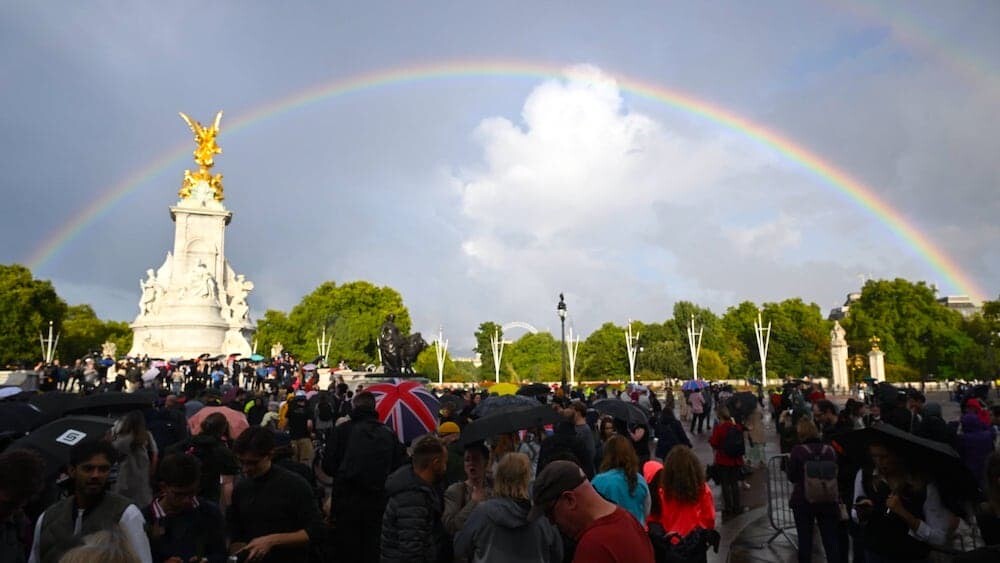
<point x="613" y="486"/>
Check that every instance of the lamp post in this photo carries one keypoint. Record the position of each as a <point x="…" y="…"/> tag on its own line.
<point x="763" y="339"/>
<point x="694" y="343"/>
<point x="631" y="348"/>
<point x="561" y="310"/>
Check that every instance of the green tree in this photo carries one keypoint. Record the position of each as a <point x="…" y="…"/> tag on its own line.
<point x="272" y="329"/>
<point x="535" y="357"/>
<point x="484" y="347"/>
<point x="426" y="365"/>
<point x="711" y="366"/>
<point x="83" y="333"/>
<point x="603" y="354"/>
<point x="984" y="331"/>
<point x="26" y="307"/>
<point x="667" y="358"/>
<point x="914" y="329"/>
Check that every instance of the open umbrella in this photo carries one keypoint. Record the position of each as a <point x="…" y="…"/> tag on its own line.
<point x="54" y="440"/>
<point x="309" y="367"/>
<point x="503" y="389"/>
<point x="508" y="420"/>
<point x="534" y="389"/>
<point x="622" y="410"/>
<point x="938" y="459"/>
<point x="489" y="404"/>
<point x="257" y="358"/>
<point x="694" y="384"/>
<point x="20" y="417"/>
<point x="54" y="403"/>
<point x="237" y="420"/>
<point x="110" y="403"/>
<point x="10" y="392"/>
<point x="150" y="374"/>
<point x="742" y="404"/>
<point x="407" y="407"/>
<point x="452" y="402"/>
<point x="107" y="362"/>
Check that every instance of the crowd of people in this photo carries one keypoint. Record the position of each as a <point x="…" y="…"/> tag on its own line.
<point x="257" y="463"/>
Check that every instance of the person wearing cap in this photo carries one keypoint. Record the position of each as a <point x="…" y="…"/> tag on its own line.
<point x="604" y="532"/>
<point x="499" y="530"/>
<point x="449" y="432"/>
<point x="300" y="428"/>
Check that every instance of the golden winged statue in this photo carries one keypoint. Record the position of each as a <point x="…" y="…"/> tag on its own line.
<point x="204" y="156"/>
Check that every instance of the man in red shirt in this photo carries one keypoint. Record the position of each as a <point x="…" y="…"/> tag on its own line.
<point x="728" y="442"/>
<point x="604" y="532"/>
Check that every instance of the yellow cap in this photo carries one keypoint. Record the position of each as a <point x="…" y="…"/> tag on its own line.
<point x="449" y="428"/>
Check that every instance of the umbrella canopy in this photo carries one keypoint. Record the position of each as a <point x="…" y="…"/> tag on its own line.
<point x="54" y="403"/>
<point x="406" y="406"/>
<point x="534" y="389"/>
<point x="257" y="358"/>
<point x="742" y="404"/>
<point x="20" y="417"/>
<point x="54" y="440"/>
<point x="107" y="362"/>
<point x="489" y="404"/>
<point x="150" y="374"/>
<point x="622" y="410"/>
<point x="940" y="460"/>
<point x="509" y="419"/>
<point x="237" y="420"/>
<point x="694" y="384"/>
<point x="10" y="392"/>
<point x="309" y="367"/>
<point x="452" y="402"/>
<point x="110" y="403"/>
<point x="503" y="389"/>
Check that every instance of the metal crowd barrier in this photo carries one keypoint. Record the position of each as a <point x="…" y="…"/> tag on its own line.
<point x="779" y="490"/>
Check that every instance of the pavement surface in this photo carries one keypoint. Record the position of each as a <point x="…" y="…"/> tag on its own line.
<point x="751" y="537"/>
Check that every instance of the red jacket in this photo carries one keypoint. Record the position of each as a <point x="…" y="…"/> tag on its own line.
<point x="718" y="437"/>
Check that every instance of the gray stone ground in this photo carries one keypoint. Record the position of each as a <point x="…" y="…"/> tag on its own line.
<point x="748" y="537"/>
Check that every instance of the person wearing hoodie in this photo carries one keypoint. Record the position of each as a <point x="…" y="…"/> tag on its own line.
<point x="975" y="444"/>
<point x="498" y="529"/>
<point x="565" y="444"/>
<point x="219" y="465"/>
<point x="412" y="528"/>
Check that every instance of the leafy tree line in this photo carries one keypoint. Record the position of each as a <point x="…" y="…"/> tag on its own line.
<point x="26" y="307"/>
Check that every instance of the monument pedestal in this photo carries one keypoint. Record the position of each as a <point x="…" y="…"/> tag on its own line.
<point x="195" y="303"/>
<point x="876" y="363"/>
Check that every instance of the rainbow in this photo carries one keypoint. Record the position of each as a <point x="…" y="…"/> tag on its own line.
<point x="856" y="192"/>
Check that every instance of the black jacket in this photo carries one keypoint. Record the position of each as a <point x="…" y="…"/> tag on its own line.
<point x="361" y="454"/>
<point x="565" y="444"/>
<point x="412" y="531"/>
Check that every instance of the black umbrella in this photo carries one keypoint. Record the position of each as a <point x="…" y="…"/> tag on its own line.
<point x="112" y="402"/>
<point x="54" y="403"/>
<point x="488" y="405"/>
<point x="534" y="389"/>
<point x="452" y="402"/>
<point x="20" y="416"/>
<point x="742" y="404"/>
<point x="55" y="439"/>
<point x="622" y="410"/>
<point x="940" y="460"/>
<point x="506" y="420"/>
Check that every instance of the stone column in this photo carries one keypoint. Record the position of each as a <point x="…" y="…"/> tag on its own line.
<point x="838" y="358"/>
<point x="876" y="363"/>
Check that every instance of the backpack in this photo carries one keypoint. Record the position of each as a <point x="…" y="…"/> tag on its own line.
<point x="372" y="453"/>
<point x="732" y="442"/>
<point x="820" y="479"/>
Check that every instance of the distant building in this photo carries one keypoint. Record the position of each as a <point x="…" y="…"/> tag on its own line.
<point x="838" y="313"/>
<point x="961" y="303"/>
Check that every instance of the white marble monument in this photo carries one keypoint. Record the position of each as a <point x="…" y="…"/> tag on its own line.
<point x="838" y="357"/>
<point x="876" y="360"/>
<point x="195" y="303"/>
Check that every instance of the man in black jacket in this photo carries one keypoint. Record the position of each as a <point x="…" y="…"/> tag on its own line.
<point x="565" y="444"/>
<point x="412" y="530"/>
<point x="359" y="456"/>
<point x="180" y="524"/>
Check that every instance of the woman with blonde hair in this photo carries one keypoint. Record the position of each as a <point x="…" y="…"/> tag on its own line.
<point x="619" y="480"/>
<point x="498" y="529"/>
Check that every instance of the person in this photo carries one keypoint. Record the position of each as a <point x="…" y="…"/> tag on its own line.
<point x="669" y="433"/>
<point x="619" y="479"/>
<point x="894" y="506"/>
<point x="219" y="465"/>
<point x="604" y="532"/>
<point x="273" y="515"/>
<point x="565" y="444"/>
<point x="498" y="529"/>
<point x="106" y="546"/>
<point x="825" y="515"/>
<point x="757" y="455"/>
<point x="607" y="428"/>
<point x="975" y="444"/>
<point x="90" y="509"/>
<point x="450" y="432"/>
<point x="697" y="402"/>
<point x="21" y="477"/>
<point x="988" y="513"/>
<point x="179" y="524"/>
<point x="359" y="457"/>
<point x="300" y="428"/>
<point x="137" y="458"/>
<point x="683" y="500"/>
<point x="461" y="498"/>
<point x="412" y="528"/>
<point x="577" y="412"/>
<point x="727" y="442"/>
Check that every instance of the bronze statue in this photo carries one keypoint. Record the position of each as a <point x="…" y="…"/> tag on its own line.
<point x="398" y="351"/>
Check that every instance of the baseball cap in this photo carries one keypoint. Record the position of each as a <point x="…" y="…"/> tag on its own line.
<point x="557" y="478"/>
<point x="448" y="428"/>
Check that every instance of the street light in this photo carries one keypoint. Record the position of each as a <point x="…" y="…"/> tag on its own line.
<point x="561" y="310"/>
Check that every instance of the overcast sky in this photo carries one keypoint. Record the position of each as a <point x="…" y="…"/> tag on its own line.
<point x="484" y="197"/>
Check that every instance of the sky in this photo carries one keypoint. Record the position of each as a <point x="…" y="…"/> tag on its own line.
<point x="482" y="195"/>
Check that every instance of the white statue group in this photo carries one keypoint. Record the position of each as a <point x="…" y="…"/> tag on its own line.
<point x="200" y="285"/>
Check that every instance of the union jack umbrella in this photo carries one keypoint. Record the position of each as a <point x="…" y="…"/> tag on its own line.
<point x="407" y="407"/>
